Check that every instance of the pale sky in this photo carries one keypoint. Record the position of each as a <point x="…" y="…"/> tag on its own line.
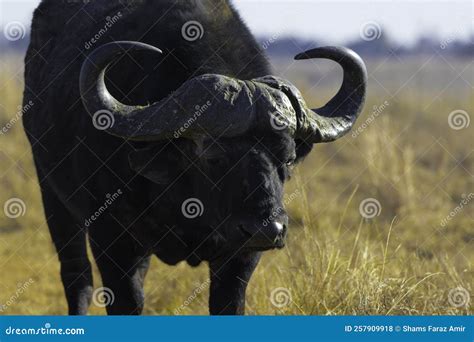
<point x="330" y="20"/>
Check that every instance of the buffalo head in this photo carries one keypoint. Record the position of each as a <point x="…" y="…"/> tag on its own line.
<point x="238" y="149"/>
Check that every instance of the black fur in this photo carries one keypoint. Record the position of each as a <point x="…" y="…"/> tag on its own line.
<point x="80" y="167"/>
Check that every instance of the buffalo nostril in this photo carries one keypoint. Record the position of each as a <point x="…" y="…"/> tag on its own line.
<point x="280" y="227"/>
<point x="277" y="232"/>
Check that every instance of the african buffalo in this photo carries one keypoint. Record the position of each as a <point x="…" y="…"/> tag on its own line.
<point x="158" y="130"/>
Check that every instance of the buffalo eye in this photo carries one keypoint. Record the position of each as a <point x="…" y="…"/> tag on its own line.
<point x="290" y="161"/>
<point x="285" y="170"/>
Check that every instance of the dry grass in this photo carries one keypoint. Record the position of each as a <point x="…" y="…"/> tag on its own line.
<point x="336" y="262"/>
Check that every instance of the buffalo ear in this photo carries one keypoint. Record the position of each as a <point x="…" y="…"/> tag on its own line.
<point x="302" y="149"/>
<point x="146" y="162"/>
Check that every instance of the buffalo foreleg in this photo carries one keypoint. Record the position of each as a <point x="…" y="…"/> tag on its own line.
<point x="229" y="280"/>
<point x="70" y="242"/>
<point x="122" y="267"/>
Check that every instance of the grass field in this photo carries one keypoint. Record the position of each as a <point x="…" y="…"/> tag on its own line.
<point x="382" y="221"/>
